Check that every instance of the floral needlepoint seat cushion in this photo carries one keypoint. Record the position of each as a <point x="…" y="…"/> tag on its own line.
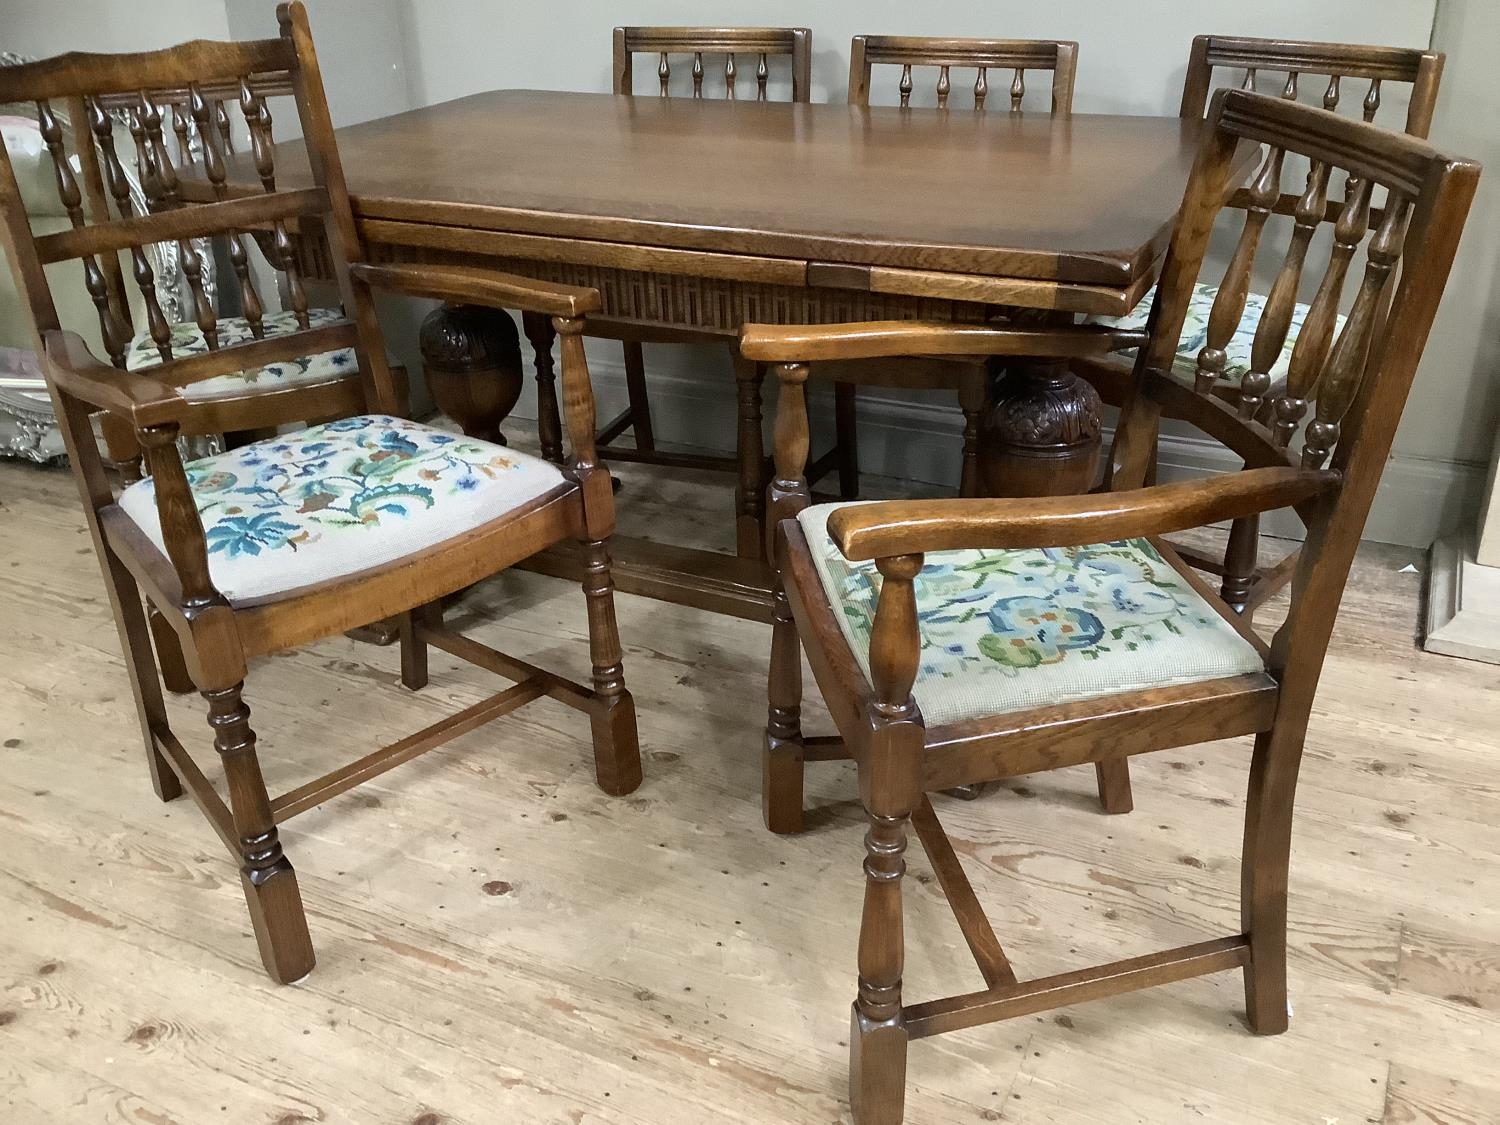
<point x="188" y="339"/>
<point x="1195" y="334"/>
<point x="342" y="497"/>
<point x="1010" y="630"/>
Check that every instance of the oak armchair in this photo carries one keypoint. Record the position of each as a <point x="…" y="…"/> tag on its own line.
<point x="959" y="641"/>
<point x="319" y="529"/>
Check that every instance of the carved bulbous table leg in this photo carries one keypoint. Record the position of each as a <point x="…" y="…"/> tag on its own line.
<point x="1040" y="433"/>
<point x="472" y="357"/>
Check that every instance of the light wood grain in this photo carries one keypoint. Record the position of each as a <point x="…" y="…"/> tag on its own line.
<point x="460" y="970"/>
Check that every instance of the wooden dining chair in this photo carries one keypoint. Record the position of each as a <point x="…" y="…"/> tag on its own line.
<point x="315" y="531"/>
<point x="967" y="379"/>
<point x="962" y="640"/>
<point x="731" y="51"/>
<point x="1219" y="332"/>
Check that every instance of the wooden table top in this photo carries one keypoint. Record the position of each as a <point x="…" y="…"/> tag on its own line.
<point x="1084" y="199"/>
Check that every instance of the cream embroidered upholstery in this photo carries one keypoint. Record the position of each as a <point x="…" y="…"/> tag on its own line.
<point x="1195" y="334"/>
<point x="188" y="339"/>
<point x="342" y="497"/>
<point x="1011" y="630"/>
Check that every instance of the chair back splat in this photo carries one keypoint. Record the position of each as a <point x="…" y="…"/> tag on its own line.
<point x="1014" y="57"/>
<point x="738" y="47"/>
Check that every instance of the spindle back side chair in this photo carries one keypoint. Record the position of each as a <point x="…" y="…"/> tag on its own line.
<point x="1216" y="325"/>
<point x="318" y="530"/>
<point x="967" y="378"/>
<point x="1057" y="56"/>
<point x="942" y="632"/>
<point x="730" y="51"/>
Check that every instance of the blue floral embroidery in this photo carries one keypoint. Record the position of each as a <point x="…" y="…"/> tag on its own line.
<point x="187" y="339"/>
<point x="1017" y="610"/>
<point x="246" y="535"/>
<point x="353" y="473"/>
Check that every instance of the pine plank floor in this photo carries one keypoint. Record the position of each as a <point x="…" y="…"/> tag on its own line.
<point x="500" y="942"/>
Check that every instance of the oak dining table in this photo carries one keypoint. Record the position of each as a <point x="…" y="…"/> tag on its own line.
<point x="707" y="215"/>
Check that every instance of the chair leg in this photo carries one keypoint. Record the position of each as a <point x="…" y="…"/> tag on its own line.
<point x="750" y="453"/>
<point x="846" y="433"/>
<point x="140" y="664"/>
<point x="1240" y="557"/>
<point x="266" y="874"/>
<point x="413" y="648"/>
<point x="971" y="395"/>
<point x="877" y="1031"/>
<point x="617" y="748"/>
<point x="781" y="783"/>
<point x="1263" y="876"/>
<point x="1114" y="785"/>
<point x="640" y="403"/>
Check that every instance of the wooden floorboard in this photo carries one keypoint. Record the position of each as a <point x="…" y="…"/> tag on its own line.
<point x="500" y="942"/>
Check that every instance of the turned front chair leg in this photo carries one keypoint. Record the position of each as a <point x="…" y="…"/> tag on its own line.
<point x="541" y="333"/>
<point x="1263" y="874"/>
<point x="617" y="751"/>
<point x="270" y="883"/>
<point x="781" y="783"/>
<point x="877" y="1031"/>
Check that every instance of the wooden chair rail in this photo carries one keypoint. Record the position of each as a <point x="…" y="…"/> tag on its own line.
<point x="1391" y="64"/>
<point x="1394" y="160"/>
<point x="141" y="400"/>
<point x="252" y="354"/>
<point x="908" y="527"/>
<point x="474" y="285"/>
<point x="893" y="338"/>
<point x="83" y="73"/>
<point x="1006" y="1001"/>
<point x="341" y="780"/>
<point x="197" y="221"/>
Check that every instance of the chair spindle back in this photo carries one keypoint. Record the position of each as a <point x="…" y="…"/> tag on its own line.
<point x="734" y="43"/>
<point x="1060" y="57"/>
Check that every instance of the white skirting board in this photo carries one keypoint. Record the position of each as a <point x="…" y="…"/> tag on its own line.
<point x="1463" y="602"/>
<point x="919" y="438"/>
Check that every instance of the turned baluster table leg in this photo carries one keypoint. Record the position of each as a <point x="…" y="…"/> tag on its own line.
<point x="540" y="332"/>
<point x="1040" y="436"/>
<point x="1041" y="432"/>
<point x="472" y="358"/>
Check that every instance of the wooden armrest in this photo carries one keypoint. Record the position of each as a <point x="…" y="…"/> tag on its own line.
<point x="908" y="527"/>
<point x="769" y="343"/>
<point x="474" y="286"/>
<point x="139" y="399"/>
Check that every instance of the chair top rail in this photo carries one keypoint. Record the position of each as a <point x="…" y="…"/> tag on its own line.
<point x="202" y="61"/>
<point x="944" y="51"/>
<point x="1392" y="64"/>
<point x="769" y="40"/>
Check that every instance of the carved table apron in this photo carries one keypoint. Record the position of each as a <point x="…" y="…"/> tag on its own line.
<point x="798" y="214"/>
